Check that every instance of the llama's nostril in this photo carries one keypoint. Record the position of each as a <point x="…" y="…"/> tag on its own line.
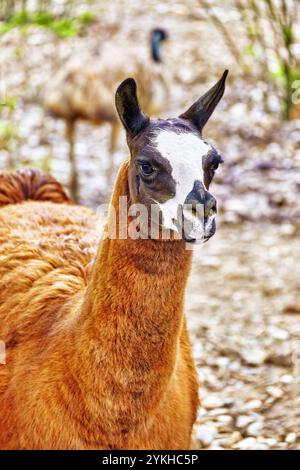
<point x="210" y="206"/>
<point x="214" y="205"/>
<point x="199" y="200"/>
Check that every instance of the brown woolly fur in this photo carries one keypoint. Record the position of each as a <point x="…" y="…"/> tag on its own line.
<point x="30" y="184"/>
<point x="97" y="351"/>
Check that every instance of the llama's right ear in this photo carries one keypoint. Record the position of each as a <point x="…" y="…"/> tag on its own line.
<point x="130" y="113"/>
<point x="200" y="112"/>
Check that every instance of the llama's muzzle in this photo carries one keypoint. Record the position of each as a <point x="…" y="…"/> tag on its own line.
<point x="199" y="214"/>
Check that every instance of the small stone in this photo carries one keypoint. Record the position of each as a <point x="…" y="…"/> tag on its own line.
<point x="242" y="421"/>
<point x="275" y="392"/>
<point x="278" y="333"/>
<point x="254" y="429"/>
<point x="212" y="402"/>
<point x="270" y="442"/>
<point x="228" y="402"/>
<point x="269" y="401"/>
<point x="216" y="447"/>
<point x="258" y="446"/>
<point x="222" y="362"/>
<point x="246" y="444"/>
<point x="287" y="379"/>
<point x="211" y="261"/>
<point x="253" y="405"/>
<point x="287" y="229"/>
<point x="281" y="446"/>
<point x="231" y="439"/>
<point x="254" y="357"/>
<point x="291" y="438"/>
<point x="205" y="435"/>
<point x="235" y="437"/>
<point x="217" y="412"/>
<point x="224" y="419"/>
<point x="234" y="366"/>
<point x="201" y="412"/>
<point x="281" y="357"/>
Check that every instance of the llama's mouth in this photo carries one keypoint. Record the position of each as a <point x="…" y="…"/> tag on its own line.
<point x="199" y="233"/>
<point x="193" y="226"/>
<point x="209" y="227"/>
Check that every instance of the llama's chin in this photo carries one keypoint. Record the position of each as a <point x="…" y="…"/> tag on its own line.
<point x="198" y="232"/>
<point x="198" y="237"/>
<point x="210" y="227"/>
<point x="197" y="241"/>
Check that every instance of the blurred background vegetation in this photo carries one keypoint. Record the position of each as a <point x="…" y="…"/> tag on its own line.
<point x="259" y="40"/>
<point x="266" y="43"/>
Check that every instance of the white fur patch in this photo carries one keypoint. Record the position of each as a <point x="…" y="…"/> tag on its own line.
<point x="184" y="152"/>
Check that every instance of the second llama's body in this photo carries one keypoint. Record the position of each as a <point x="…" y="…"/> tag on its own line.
<point x="83" y="89"/>
<point x="97" y="351"/>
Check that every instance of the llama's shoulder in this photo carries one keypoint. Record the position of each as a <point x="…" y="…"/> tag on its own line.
<point x="46" y="251"/>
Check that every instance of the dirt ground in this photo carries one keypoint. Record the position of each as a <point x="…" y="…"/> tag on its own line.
<point x="243" y="312"/>
<point x="242" y="300"/>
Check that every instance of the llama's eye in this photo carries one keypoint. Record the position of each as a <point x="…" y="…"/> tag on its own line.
<point x="215" y="166"/>
<point x="147" y="169"/>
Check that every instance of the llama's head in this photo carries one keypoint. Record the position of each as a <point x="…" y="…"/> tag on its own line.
<point x="171" y="165"/>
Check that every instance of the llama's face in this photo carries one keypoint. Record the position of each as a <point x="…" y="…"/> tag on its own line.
<point x="171" y="165"/>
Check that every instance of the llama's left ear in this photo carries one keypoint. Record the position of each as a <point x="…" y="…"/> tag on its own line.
<point x="130" y="113"/>
<point x="200" y="112"/>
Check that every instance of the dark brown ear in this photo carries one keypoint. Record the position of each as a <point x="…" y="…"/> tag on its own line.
<point x="132" y="117"/>
<point x="200" y="112"/>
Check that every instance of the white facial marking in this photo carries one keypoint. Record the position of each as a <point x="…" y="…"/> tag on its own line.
<point x="184" y="152"/>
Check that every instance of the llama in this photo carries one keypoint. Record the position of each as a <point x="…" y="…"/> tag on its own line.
<point x="82" y="90"/>
<point x="97" y="349"/>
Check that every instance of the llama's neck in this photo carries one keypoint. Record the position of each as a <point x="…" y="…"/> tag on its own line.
<point x="133" y="312"/>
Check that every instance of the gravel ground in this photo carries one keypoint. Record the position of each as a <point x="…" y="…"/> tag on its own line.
<point x="243" y="310"/>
